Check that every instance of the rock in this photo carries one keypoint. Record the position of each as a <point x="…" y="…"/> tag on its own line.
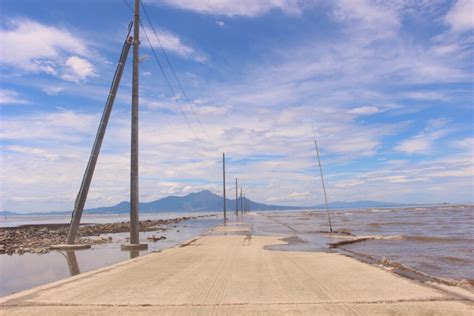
<point x="155" y="239"/>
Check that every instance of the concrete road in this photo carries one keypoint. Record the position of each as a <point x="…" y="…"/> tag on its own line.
<point x="229" y="272"/>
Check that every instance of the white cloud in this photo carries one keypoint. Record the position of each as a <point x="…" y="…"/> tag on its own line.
<point x="50" y="90"/>
<point x="261" y="119"/>
<point x="466" y="144"/>
<point x="27" y="150"/>
<point x="11" y="97"/>
<point x="60" y="125"/>
<point x="248" y="8"/>
<point x="418" y="144"/>
<point x="423" y="142"/>
<point x="77" y="69"/>
<point x="34" y="47"/>
<point x="171" y="42"/>
<point x="213" y="110"/>
<point x="461" y="16"/>
<point x="426" y="95"/>
<point x="368" y="18"/>
<point x="220" y="23"/>
<point x="365" y="110"/>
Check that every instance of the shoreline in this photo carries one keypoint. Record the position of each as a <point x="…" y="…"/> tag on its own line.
<point x="221" y="272"/>
<point x="37" y="238"/>
<point x="345" y="238"/>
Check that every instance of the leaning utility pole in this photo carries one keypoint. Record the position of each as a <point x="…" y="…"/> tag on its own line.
<point x="236" y="198"/>
<point x="89" y="172"/>
<point x="223" y="186"/>
<point x="322" y="181"/>
<point x="134" y="220"/>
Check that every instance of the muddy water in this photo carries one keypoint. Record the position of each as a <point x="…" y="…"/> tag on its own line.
<point x="434" y="240"/>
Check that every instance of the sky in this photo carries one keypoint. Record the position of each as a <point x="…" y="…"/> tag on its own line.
<point x="387" y="85"/>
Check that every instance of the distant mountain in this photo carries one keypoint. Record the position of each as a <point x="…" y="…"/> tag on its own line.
<point x="194" y="202"/>
<point x="204" y="201"/>
<point x="7" y="213"/>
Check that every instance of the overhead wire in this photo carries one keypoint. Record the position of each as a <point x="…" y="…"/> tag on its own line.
<point x="175" y="97"/>
<point x="174" y="73"/>
<point x="162" y="70"/>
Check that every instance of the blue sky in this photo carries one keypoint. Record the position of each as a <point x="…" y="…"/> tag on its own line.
<point x="388" y="86"/>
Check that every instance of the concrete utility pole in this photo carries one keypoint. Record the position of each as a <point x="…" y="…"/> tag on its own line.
<point x="223" y="180"/>
<point x="236" y="198"/>
<point x="89" y="172"/>
<point x="134" y="220"/>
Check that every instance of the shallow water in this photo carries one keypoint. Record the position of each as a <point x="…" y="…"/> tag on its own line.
<point x="435" y="240"/>
<point x="15" y="221"/>
<point x="21" y="272"/>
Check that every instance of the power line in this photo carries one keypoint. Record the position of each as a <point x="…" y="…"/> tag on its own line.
<point x="128" y="5"/>
<point x="166" y="77"/>
<point x="172" y="70"/>
<point x="174" y="73"/>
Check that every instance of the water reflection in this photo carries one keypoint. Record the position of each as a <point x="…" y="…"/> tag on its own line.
<point x="134" y="253"/>
<point x="71" y="260"/>
<point x="72" y="263"/>
<point x="29" y="270"/>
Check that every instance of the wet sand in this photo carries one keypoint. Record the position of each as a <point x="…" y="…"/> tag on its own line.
<point x="229" y="271"/>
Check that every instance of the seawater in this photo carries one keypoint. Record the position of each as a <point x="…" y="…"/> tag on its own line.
<point x="437" y="241"/>
<point x="21" y="272"/>
<point x="434" y="240"/>
<point x="15" y="221"/>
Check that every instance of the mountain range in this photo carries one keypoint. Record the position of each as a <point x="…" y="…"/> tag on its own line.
<point x="204" y="201"/>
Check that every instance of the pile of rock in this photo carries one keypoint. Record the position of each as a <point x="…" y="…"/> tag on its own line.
<point x="38" y="238"/>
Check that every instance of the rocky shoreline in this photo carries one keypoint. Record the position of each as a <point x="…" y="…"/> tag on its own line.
<point x="39" y="238"/>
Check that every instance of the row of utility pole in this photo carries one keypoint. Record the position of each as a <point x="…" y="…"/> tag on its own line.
<point x="241" y="204"/>
<point x="134" y="244"/>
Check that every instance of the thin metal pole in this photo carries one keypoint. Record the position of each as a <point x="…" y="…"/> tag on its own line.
<point x="236" y="198"/>
<point x="89" y="172"/>
<point x="134" y="211"/>
<point x="245" y="205"/>
<point x="322" y="181"/>
<point x="223" y="179"/>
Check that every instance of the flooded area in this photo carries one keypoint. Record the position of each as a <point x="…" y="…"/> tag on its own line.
<point x="435" y="241"/>
<point x="21" y="272"/>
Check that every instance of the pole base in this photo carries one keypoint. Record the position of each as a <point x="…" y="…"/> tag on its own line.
<point x="134" y="246"/>
<point x="70" y="247"/>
